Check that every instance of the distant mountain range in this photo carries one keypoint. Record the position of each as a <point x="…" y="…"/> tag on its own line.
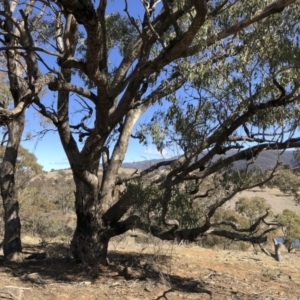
<point x="265" y="160"/>
<point x="268" y="159"/>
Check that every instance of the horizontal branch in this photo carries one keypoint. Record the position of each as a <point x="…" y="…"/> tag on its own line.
<point x="116" y="211"/>
<point x="30" y="96"/>
<point x="250" y="153"/>
<point x="60" y="85"/>
<point x="273" y="8"/>
<point x="237" y="227"/>
<point x="167" y="235"/>
<point x="121" y="227"/>
<point x="31" y="48"/>
<point x="236" y="236"/>
<point x="138" y="175"/>
<point x="194" y="234"/>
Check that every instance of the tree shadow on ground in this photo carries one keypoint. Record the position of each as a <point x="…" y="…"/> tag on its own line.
<point x="155" y="267"/>
<point x="53" y="263"/>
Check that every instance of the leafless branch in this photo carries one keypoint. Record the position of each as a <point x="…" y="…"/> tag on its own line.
<point x="131" y="19"/>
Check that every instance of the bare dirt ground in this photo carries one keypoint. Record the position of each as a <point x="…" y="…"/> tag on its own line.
<point x="155" y="270"/>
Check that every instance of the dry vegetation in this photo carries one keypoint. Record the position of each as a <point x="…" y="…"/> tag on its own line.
<point x="274" y="197"/>
<point x="142" y="267"/>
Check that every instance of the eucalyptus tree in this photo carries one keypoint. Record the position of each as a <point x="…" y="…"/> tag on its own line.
<point x="25" y="83"/>
<point x="289" y="222"/>
<point x="26" y="168"/>
<point x="218" y="77"/>
<point x="287" y="179"/>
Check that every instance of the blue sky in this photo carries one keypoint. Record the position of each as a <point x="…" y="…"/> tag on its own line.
<point x="49" y="151"/>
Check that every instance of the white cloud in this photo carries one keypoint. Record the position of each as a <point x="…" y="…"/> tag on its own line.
<point x="63" y="161"/>
<point x="155" y="152"/>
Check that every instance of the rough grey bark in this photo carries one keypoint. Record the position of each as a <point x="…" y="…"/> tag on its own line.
<point x="116" y="101"/>
<point x="26" y="82"/>
<point x="98" y="209"/>
<point x="12" y="247"/>
<point x="89" y="232"/>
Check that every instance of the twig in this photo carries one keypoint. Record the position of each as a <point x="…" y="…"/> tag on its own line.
<point x="256" y="294"/>
<point x="262" y="292"/>
<point x="148" y="10"/>
<point x="16" y="287"/>
<point x="12" y="295"/>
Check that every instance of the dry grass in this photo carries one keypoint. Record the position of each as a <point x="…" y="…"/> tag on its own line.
<point x="274" y="197"/>
<point x="157" y="270"/>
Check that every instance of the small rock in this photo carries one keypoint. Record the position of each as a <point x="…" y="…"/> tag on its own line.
<point x="148" y="288"/>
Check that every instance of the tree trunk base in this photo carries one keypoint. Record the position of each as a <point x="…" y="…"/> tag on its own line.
<point x="15" y="257"/>
<point x="12" y="246"/>
<point x="90" y="249"/>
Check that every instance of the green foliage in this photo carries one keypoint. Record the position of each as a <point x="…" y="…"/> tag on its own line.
<point x="252" y="208"/>
<point x="121" y="33"/>
<point x="212" y="241"/>
<point x="217" y="242"/>
<point x="234" y="178"/>
<point x="146" y="198"/>
<point x="5" y="96"/>
<point x="290" y="224"/>
<point x="34" y="200"/>
<point x="183" y="208"/>
<point x="215" y="78"/>
<point x="50" y="193"/>
<point x="62" y="192"/>
<point x="26" y="169"/>
<point x="244" y="66"/>
<point x="26" y="160"/>
<point x="43" y="29"/>
<point x="148" y="204"/>
<point x="230" y="215"/>
<point x="287" y="180"/>
<point x="52" y="201"/>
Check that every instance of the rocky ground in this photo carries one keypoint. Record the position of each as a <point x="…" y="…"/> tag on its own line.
<point x="156" y="270"/>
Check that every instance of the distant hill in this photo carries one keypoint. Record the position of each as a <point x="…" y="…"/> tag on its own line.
<point x="141" y="165"/>
<point x="265" y="160"/>
<point x="268" y="159"/>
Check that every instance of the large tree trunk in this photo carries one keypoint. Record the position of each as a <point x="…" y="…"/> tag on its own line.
<point x="93" y="230"/>
<point x="12" y="246"/>
<point x="89" y="244"/>
<point x="90" y="240"/>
